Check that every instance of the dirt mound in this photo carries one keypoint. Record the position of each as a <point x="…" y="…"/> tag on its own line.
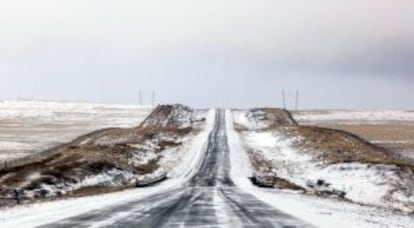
<point x="263" y="118"/>
<point x="333" y="146"/>
<point x="275" y="116"/>
<point x="328" y="163"/>
<point x="170" y="116"/>
<point x="102" y="161"/>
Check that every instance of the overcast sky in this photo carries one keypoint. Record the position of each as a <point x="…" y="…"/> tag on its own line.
<point x="239" y="53"/>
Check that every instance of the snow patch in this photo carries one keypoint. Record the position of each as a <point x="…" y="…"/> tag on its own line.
<point x="321" y="212"/>
<point x="355" y="116"/>
<point x="250" y="119"/>
<point x="377" y="185"/>
<point x="48" y="212"/>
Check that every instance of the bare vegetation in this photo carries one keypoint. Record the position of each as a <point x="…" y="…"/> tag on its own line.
<point x="326" y="147"/>
<point x="335" y="146"/>
<point x="102" y="161"/>
<point x="396" y="137"/>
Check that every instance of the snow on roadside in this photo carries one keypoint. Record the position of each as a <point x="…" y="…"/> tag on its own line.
<point x="144" y="158"/>
<point x="113" y="177"/>
<point x="191" y="160"/>
<point x="248" y="120"/>
<point x="378" y="185"/>
<point x="321" y="212"/>
<point x="48" y="212"/>
<point x="354" y="115"/>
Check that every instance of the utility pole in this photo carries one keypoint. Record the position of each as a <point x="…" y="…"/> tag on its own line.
<point x="141" y="101"/>
<point x="297" y="100"/>
<point x="153" y="98"/>
<point x="283" y="99"/>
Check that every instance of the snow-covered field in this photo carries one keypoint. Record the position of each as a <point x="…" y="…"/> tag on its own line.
<point x="321" y="212"/>
<point x="392" y="129"/>
<point x="353" y="116"/>
<point x="28" y="127"/>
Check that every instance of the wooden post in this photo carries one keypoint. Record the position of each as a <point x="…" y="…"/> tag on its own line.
<point x="297" y="100"/>
<point x="141" y="101"/>
<point x="153" y="98"/>
<point x="17" y="196"/>
<point x="283" y="99"/>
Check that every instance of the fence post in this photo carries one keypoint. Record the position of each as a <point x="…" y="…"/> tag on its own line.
<point x="17" y="196"/>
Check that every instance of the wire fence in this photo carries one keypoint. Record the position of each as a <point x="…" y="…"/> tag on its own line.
<point x="16" y="198"/>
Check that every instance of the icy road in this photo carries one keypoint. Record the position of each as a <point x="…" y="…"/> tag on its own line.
<point x="208" y="199"/>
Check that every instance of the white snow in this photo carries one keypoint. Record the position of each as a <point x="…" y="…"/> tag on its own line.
<point x="192" y="159"/>
<point x="177" y="159"/>
<point x="106" y="178"/>
<point x="28" y="127"/>
<point x="247" y="120"/>
<point x="53" y="110"/>
<point x="321" y="212"/>
<point x="181" y="116"/>
<point x="48" y="212"/>
<point x="113" y="177"/>
<point x="354" y="115"/>
<point x="363" y="183"/>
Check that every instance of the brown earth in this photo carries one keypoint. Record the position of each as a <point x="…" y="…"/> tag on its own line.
<point x="397" y="137"/>
<point x="335" y="146"/>
<point x="91" y="155"/>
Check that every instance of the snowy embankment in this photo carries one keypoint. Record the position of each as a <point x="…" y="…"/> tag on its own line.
<point x="372" y="184"/>
<point x="321" y="212"/>
<point x="183" y="167"/>
<point x="28" y="127"/>
<point x="333" y="167"/>
<point x="107" y="160"/>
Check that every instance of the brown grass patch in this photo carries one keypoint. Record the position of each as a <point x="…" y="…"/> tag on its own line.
<point x="285" y="184"/>
<point x="397" y="137"/>
<point x="279" y="117"/>
<point x="335" y="146"/>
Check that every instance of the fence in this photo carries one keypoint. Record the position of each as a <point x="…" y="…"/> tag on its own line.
<point x="17" y="198"/>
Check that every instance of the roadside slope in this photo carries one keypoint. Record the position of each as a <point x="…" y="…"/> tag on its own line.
<point x="324" y="162"/>
<point x="106" y="160"/>
<point x="322" y="212"/>
<point x="117" y="205"/>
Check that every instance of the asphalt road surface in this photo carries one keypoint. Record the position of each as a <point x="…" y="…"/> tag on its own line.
<point x="209" y="199"/>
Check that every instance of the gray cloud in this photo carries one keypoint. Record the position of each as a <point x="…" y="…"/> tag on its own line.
<point x="208" y="53"/>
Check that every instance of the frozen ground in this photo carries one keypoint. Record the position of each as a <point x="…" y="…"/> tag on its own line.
<point x="321" y="212"/>
<point x="392" y="129"/>
<point x="352" y="116"/>
<point x="27" y="127"/>
<point x="379" y="185"/>
<point x="97" y="211"/>
<point x="49" y="212"/>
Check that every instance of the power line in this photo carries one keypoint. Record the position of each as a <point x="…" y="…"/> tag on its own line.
<point x="141" y="100"/>
<point x="283" y="99"/>
<point x="153" y="98"/>
<point x="297" y="100"/>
